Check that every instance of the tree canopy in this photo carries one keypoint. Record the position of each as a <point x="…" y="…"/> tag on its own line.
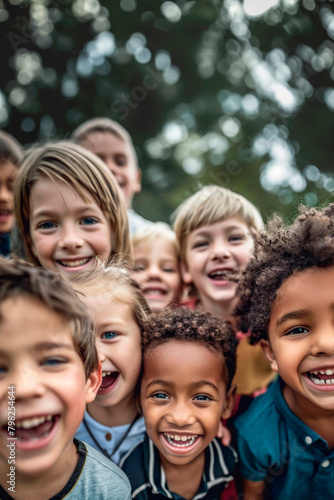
<point x="234" y="92"/>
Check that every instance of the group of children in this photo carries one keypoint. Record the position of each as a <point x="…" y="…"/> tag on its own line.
<point x="135" y="351"/>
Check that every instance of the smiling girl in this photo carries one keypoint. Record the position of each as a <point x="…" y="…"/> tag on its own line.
<point x="69" y="209"/>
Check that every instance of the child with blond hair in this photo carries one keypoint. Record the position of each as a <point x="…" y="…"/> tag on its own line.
<point x="213" y="229"/>
<point x="113" y="423"/>
<point x="157" y="265"/>
<point x="69" y="209"/>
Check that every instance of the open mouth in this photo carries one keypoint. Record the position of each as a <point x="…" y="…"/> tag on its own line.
<point x="74" y="263"/>
<point x="108" y="379"/>
<point x="221" y="275"/>
<point x="154" y="292"/>
<point x="321" y="377"/>
<point x="180" y="441"/>
<point x="32" y="429"/>
<point x="5" y="212"/>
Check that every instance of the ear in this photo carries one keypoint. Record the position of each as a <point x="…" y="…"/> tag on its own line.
<point x="229" y="402"/>
<point x="269" y="354"/>
<point x="93" y="383"/>
<point x="186" y="276"/>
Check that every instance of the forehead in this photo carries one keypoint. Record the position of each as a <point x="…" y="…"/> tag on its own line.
<point x="26" y="321"/>
<point x="183" y="359"/>
<point x="106" y="141"/>
<point x="158" y="246"/>
<point x="310" y="290"/>
<point x="231" y="223"/>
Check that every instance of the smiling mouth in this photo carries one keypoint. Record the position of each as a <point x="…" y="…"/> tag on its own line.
<point x="108" y="379"/>
<point x="321" y="377"/>
<point x="32" y="429"/>
<point x="223" y="275"/>
<point x="74" y="263"/>
<point x="154" y="292"/>
<point x="180" y="441"/>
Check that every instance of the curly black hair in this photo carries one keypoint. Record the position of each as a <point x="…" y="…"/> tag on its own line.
<point x="196" y="326"/>
<point x="278" y="253"/>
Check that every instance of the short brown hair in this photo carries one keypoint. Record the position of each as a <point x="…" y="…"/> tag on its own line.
<point x="210" y="205"/>
<point x="18" y="278"/>
<point x="114" y="279"/>
<point x="80" y="169"/>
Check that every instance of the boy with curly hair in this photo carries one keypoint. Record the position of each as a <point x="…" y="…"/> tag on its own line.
<point x="286" y="438"/>
<point x="188" y="366"/>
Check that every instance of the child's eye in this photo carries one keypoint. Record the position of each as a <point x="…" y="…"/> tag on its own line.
<point x="202" y="397"/>
<point x="238" y="237"/>
<point x="200" y="244"/>
<point x="298" y="330"/>
<point x="168" y="270"/>
<point x="121" y="161"/>
<point x="109" y="335"/>
<point x="160" y="395"/>
<point x="46" y="225"/>
<point x="54" y="361"/>
<point x="88" y="221"/>
<point x="139" y="268"/>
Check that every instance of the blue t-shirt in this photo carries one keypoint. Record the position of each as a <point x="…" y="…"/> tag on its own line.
<point x="274" y="443"/>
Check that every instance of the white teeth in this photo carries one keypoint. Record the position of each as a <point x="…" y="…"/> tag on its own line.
<point x="321" y="381"/>
<point x="175" y="440"/>
<point x="105" y="373"/>
<point x="329" y="372"/>
<point x="28" y="423"/>
<point x="74" y="263"/>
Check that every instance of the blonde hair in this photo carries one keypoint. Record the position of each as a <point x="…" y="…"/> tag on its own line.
<point x="81" y="134"/>
<point x="113" y="279"/>
<point x="210" y="205"/>
<point x="81" y="170"/>
<point x="153" y="231"/>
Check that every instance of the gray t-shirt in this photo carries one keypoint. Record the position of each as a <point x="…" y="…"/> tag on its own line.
<point x="94" y="478"/>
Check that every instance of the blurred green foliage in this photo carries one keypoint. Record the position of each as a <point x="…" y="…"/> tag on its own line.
<point x="237" y="93"/>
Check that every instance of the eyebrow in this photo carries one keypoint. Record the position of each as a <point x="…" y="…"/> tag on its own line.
<point x="47" y="346"/>
<point x="292" y="315"/>
<point x="195" y="385"/>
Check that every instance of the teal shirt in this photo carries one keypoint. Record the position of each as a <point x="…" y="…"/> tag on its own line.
<point x="274" y="443"/>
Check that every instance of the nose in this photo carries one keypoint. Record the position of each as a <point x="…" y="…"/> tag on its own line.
<point x="220" y="250"/>
<point x="5" y="194"/>
<point x="323" y="341"/>
<point x="153" y="272"/>
<point x="70" y="237"/>
<point x="181" y="414"/>
<point x="27" y="382"/>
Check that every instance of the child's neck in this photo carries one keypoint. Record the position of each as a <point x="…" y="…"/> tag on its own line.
<point x="46" y="484"/>
<point x="121" y="414"/>
<point x="185" y="479"/>
<point x="319" y="420"/>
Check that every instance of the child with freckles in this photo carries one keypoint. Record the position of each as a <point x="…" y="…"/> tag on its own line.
<point x="286" y="437"/>
<point x="188" y="366"/>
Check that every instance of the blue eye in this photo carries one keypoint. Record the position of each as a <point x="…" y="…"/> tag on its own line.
<point x="160" y="395"/>
<point x="54" y="361"/>
<point x="202" y="397"/>
<point x="298" y="330"/>
<point x="109" y="335"/>
<point x="87" y="221"/>
<point x="46" y="225"/>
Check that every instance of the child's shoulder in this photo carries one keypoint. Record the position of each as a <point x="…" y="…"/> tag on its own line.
<point x="98" y="476"/>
